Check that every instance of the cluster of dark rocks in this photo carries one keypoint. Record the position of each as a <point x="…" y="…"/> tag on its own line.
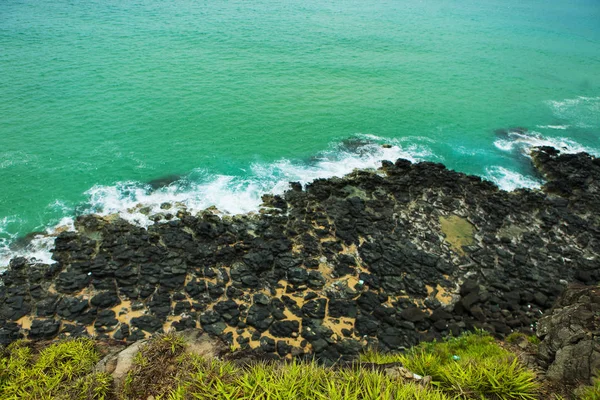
<point x="327" y="269"/>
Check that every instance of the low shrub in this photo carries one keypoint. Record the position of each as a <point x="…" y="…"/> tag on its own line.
<point x="60" y="371"/>
<point x="156" y="367"/>
<point x="472" y="365"/>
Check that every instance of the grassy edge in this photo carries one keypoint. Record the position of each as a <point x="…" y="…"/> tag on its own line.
<point x="472" y="365"/>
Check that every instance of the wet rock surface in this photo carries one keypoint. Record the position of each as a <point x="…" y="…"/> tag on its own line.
<point x="384" y="258"/>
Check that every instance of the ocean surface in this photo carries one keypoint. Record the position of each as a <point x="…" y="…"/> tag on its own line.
<point x="110" y="106"/>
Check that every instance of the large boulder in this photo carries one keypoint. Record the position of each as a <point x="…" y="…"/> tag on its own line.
<point x="570" y="349"/>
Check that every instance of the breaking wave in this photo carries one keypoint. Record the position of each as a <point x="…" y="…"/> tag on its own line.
<point x="523" y="142"/>
<point x="144" y="203"/>
<point x="140" y="203"/>
<point x="509" y="180"/>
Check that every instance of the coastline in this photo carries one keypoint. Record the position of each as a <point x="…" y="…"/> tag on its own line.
<point x="141" y="202"/>
<point x="386" y="259"/>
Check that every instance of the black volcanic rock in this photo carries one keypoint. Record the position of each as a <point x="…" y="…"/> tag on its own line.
<point x="284" y="328"/>
<point x="259" y="317"/>
<point x="314" y="309"/>
<point x="43" y="329"/>
<point x="147" y="323"/>
<point x="105" y="321"/>
<point x="375" y="255"/>
<point x="105" y="300"/>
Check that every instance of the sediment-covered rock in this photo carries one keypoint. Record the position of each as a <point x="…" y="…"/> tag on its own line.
<point x="391" y="257"/>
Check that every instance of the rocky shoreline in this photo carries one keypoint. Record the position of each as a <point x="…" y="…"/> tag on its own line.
<point x="385" y="259"/>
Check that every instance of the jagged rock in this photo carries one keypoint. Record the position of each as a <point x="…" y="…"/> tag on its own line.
<point x="413" y="314"/>
<point x="44" y="329"/>
<point x="14" y="308"/>
<point x="147" y="323"/>
<point x="315" y="309"/>
<point x="570" y="347"/>
<point x="122" y="333"/>
<point x="105" y="300"/>
<point x="105" y="321"/>
<point x="259" y="317"/>
<point x="284" y="328"/>
<point x="9" y="332"/>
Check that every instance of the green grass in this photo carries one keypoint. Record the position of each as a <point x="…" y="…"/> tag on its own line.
<point x="472" y="366"/>
<point x="590" y="392"/>
<point x="220" y="381"/>
<point x="469" y="366"/>
<point x="60" y="371"/>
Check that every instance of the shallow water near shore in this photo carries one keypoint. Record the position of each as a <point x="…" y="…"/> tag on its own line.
<point x="229" y="100"/>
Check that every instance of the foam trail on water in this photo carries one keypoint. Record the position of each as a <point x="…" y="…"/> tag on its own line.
<point x="238" y="195"/>
<point x="510" y="180"/>
<point x="559" y="127"/>
<point x="524" y="142"/>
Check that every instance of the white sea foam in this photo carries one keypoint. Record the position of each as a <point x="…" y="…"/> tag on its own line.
<point x="137" y="202"/>
<point x="524" y="142"/>
<point x="510" y="180"/>
<point x="238" y="195"/>
<point x="36" y="249"/>
<point x="558" y="127"/>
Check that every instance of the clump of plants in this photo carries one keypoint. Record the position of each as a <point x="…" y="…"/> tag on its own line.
<point x="469" y="366"/>
<point x="590" y="392"/>
<point x="156" y="367"/>
<point x="517" y="337"/>
<point x="218" y="380"/>
<point x="164" y="370"/>
<point x="60" y="371"/>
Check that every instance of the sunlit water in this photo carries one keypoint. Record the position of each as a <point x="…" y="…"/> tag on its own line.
<point x="234" y="98"/>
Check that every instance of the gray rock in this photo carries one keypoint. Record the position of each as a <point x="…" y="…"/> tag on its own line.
<point x="570" y="348"/>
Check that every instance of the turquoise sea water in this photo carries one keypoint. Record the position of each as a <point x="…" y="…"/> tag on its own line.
<point x="236" y="98"/>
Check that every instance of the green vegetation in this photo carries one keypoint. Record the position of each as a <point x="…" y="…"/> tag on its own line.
<point x="165" y="370"/>
<point x="156" y="367"/>
<point x="472" y="366"/>
<point x="516" y="337"/>
<point x="469" y="366"/>
<point x="218" y="380"/>
<point x="60" y="371"/>
<point x="591" y="392"/>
